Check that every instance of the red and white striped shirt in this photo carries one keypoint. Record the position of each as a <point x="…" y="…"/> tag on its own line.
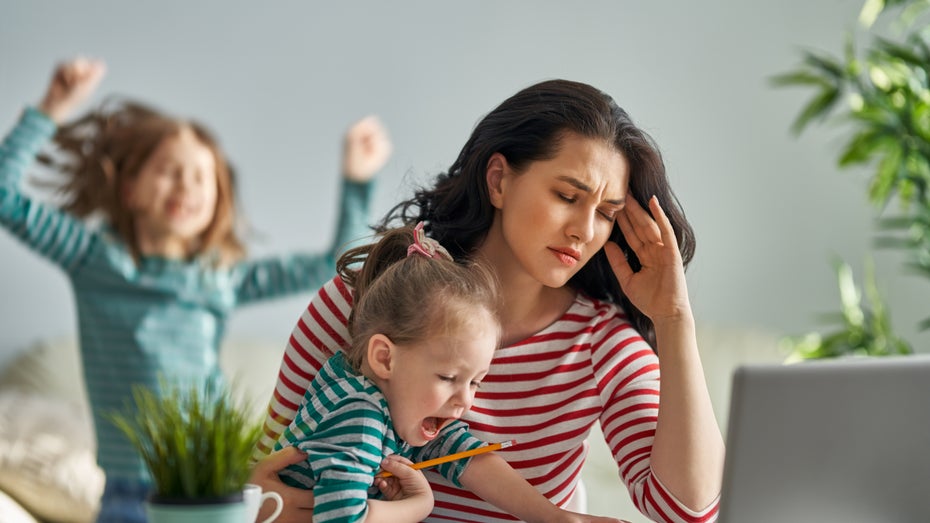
<point x="546" y="392"/>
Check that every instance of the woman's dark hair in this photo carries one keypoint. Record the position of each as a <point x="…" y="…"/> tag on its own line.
<point x="528" y="127"/>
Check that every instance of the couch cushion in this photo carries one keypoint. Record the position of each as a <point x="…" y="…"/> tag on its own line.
<point x="13" y="512"/>
<point x="51" y="368"/>
<point x="47" y="460"/>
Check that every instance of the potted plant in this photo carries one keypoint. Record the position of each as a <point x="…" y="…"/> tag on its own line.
<point x="882" y="92"/>
<point x="196" y="442"/>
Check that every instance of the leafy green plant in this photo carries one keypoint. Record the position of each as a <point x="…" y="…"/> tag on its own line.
<point x="864" y="331"/>
<point x="196" y="441"/>
<point x="882" y="93"/>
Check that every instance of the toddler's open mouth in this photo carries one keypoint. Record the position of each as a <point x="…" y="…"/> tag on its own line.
<point x="432" y="425"/>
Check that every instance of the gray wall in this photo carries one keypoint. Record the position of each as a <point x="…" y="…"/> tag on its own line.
<point x="279" y="82"/>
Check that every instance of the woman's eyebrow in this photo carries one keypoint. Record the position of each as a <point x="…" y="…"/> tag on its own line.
<point x="581" y="186"/>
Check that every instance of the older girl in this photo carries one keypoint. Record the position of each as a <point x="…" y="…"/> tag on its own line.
<point x="156" y="282"/>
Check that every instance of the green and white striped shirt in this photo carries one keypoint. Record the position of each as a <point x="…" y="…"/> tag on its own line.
<point x="345" y="428"/>
<point x="155" y="318"/>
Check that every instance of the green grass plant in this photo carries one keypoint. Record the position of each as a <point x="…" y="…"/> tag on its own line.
<point x="195" y="440"/>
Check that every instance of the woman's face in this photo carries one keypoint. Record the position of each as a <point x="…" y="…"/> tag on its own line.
<point x="557" y="214"/>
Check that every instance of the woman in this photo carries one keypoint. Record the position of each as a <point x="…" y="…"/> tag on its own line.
<point x="591" y="311"/>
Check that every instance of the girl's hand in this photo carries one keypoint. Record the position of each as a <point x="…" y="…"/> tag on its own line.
<point x="366" y="149"/>
<point x="71" y="84"/>
<point x="658" y="289"/>
<point x="298" y="503"/>
<point x="405" y="483"/>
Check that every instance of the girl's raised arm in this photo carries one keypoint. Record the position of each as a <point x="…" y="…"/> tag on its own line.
<point x="71" y="84"/>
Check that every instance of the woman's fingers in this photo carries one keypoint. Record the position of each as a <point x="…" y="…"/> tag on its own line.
<point x="642" y="229"/>
<point x="629" y="232"/>
<point x="662" y="222"/>
<point x="272" y="463"/>
<point x="642" y="222"/>
<point x="638" y="227"/>
<point x="618" y="262"/>
<point x="298" y="503"/>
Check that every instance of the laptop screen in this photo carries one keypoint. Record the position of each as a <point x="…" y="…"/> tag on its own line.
<point x="826" y="441"/>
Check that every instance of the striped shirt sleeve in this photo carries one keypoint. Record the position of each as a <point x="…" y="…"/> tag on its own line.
<point x="48" y="231"/>
<point x="627" y="374"/>
<point x="278" y="276"/>
<point x="345" y="453"/>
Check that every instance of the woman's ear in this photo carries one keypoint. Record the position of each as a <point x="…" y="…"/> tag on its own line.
<point x="497" y="166"/>
<point x="380" y="356"/>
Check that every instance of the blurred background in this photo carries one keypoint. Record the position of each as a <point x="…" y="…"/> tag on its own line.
<point x="279" y="82"/>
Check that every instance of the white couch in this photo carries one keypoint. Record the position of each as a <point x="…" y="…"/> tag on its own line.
<point x="47" y="467"/>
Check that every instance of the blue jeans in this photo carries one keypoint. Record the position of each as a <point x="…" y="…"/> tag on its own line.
<point x="122" y="502"/>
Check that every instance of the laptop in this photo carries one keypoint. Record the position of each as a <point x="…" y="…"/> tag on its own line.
<point x="827" y="441"/>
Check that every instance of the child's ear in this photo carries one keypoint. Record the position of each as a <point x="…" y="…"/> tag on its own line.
<point x="497" y="167"/>
<point x="380" y="356"/>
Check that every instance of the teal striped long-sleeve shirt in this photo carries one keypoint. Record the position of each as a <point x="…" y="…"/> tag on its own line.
<point x="345" y="428"/>
<point x="140" y="321"/>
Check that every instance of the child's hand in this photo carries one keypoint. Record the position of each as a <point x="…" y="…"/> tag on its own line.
<point x="366" y="149"/>
<point x="406" y="482"/>
<point x="71" y="84"/>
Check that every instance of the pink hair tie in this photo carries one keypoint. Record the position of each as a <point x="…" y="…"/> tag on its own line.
<point x="426" y="246"/>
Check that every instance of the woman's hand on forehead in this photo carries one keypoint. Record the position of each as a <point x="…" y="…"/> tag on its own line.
<point x="658" y="289"/>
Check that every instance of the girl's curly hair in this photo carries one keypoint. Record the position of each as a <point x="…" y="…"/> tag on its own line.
<point x="99" y="153"/>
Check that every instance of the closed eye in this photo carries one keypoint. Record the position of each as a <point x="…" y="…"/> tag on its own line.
<point x="450" y="379"/>
<point x="566" y="198"/>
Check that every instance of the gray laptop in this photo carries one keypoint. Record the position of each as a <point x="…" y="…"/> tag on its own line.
<point x="829" y="441"/>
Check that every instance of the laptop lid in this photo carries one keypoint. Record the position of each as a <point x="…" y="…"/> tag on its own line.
<point x="825" y="441"/>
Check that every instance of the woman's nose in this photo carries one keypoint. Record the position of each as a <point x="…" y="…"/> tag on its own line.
<point x="581" y="226"/>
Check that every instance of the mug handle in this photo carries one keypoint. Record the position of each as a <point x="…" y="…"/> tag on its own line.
<point x="278" y="501"/>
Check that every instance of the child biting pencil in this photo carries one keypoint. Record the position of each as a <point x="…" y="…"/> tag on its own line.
<point x="455" y="457"/>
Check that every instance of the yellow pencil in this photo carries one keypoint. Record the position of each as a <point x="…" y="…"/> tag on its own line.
<point x="452" y="457"/>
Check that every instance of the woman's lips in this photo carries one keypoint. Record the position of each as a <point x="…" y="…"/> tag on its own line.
<point x="568" y="257"/>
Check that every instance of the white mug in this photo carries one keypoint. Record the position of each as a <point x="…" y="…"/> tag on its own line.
<point x="255" y="498"/>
